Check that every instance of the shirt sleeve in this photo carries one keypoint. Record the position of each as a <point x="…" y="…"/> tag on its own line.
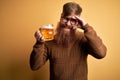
<point x="38" y="56"/>
<point x="93" y="43"/>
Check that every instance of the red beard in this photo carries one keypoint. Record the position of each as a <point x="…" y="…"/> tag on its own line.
<point x="63" y="37"/>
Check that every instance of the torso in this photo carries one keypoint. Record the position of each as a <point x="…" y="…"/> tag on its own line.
<point x="68" y="63"/>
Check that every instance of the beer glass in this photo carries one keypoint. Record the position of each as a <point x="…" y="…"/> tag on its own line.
<point x="47" y="31"/>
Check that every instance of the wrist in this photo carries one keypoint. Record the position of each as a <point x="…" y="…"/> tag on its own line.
<point x="87" y="28"/>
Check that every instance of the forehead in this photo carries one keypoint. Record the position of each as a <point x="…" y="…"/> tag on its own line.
<point x="71" y="16"/>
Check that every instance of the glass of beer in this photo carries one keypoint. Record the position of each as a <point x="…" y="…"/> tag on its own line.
<point x="47" y="31"/>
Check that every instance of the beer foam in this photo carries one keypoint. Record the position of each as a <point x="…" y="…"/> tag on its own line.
<point x="47" y="26"/>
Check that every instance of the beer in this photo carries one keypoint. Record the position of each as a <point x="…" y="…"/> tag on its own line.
<point x="47" y="31"/>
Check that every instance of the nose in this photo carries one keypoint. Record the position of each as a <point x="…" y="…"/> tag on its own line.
<point x="68" y="23"/>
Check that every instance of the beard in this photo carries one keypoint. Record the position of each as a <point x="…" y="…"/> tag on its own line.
<point x="64" y="35"/>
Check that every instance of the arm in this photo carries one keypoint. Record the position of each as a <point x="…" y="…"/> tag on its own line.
<point x="38" y="56"/>
<point x="93" y="44"/>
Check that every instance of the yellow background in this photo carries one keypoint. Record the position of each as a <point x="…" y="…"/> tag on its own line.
<point x="19" y="19"/>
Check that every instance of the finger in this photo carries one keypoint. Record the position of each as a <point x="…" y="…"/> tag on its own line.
<point x="42" y="39"/>
<point x="77" y="17"/>
<point x="37" y="35"/>
<point x="74" y="17"/>
<point x="81" y="21"/>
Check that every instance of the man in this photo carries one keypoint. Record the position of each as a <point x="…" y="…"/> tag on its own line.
<point x="69" y="49"/>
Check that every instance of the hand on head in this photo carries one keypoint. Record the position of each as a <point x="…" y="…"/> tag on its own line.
<point x="81" y="21"/>
<point x="73" y="21"/>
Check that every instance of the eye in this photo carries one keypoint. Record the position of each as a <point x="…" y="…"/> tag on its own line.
<point x="73" y="20"/>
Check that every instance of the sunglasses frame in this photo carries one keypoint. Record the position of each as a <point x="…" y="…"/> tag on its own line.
<point x="72" y="20"/>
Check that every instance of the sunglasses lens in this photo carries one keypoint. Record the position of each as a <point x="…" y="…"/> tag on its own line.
<point x="72" y="21"/>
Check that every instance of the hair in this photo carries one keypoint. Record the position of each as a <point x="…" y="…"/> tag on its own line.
<point x="71" y="8"/>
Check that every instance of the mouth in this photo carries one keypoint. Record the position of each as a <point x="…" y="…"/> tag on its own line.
<point x="68" y="27"/>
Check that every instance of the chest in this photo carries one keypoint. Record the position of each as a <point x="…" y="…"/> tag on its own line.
<point x="71" y="54"/>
